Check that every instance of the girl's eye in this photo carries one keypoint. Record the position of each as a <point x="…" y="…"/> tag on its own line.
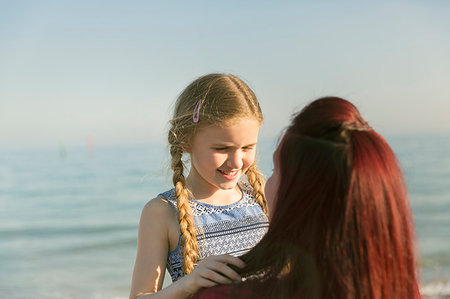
<point x="221" y="148"/>
<point x="247" y="148"/>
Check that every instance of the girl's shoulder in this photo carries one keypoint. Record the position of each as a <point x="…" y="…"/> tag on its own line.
<point x="157" y="206"/>
<point x="169" y="197"/>
<point x="246" y="187"/>
<point x="247" y="191"/>
<point x="162" y="206"/>
<point x="158" y="214"/>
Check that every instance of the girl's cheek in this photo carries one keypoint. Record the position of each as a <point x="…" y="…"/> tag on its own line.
<point x="218" y="159"/>
<point x="250" y="157"/>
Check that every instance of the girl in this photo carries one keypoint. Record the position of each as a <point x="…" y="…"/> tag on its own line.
<point x="340" y="221"/>
<point x="209" y="217"/>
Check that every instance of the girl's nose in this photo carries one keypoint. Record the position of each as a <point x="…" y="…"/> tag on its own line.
<point x="235" y="160"/>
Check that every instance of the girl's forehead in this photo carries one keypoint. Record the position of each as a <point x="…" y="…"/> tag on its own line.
<point x="238" y="120"/>
<point x="232" y="123"/>
<point x="241" y="129"/>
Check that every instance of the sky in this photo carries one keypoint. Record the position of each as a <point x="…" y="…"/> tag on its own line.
<point x="110" y="71"/>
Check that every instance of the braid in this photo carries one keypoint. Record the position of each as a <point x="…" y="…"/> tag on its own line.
<point x="188" y="234"/>
<point x="255" y="179"/>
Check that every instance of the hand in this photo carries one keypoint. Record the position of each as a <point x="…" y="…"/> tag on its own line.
<point x="211" y="271"/>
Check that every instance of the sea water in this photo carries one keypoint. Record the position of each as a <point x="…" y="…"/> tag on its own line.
<point x="69" y="216"/>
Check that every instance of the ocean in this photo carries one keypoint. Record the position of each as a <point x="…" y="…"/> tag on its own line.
<point x="69" y="216"/>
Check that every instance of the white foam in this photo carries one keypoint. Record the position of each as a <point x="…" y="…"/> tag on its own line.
<point x="436" y="290"/>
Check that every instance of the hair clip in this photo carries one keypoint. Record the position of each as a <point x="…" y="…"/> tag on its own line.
<point x="196" y="115"/>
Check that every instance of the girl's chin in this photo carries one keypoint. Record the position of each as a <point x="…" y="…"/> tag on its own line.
<point x="229" y="185"/>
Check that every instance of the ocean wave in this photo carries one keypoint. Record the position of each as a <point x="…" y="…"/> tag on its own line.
<point x="53" y="231"/>
<point x="436" y="290"/>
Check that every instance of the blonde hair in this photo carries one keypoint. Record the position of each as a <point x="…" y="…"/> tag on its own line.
<point x="223" y="98"/>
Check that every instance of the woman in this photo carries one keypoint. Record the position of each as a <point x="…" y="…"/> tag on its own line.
<point x="340" y="220"/>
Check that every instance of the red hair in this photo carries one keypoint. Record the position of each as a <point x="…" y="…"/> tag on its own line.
<point x="342" y="225"/>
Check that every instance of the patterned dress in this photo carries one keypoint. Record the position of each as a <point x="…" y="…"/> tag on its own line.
<point x="232" y="229"/>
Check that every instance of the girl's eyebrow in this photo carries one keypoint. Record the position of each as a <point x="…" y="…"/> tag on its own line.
<point x="232" y="144"/>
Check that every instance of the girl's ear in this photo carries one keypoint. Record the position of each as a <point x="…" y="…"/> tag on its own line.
<point x="187" y="148"/>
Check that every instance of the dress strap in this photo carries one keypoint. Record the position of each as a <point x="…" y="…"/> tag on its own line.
<point x="170" y="197"/>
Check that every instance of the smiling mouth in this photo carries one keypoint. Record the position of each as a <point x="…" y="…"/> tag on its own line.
<point x="230" y="175"/>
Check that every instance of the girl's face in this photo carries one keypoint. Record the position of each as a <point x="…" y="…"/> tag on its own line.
<point x="221" y="155"/>
<point x="272" y="184"/>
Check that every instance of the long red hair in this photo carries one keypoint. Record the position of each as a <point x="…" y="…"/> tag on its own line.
<point x="342" y="225"/>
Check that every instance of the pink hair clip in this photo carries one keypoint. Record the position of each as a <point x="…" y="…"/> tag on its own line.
<point x="196" y="115"/>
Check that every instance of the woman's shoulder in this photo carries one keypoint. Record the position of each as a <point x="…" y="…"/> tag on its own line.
<point x="218" y="292"/>
<point x="224" y="292"/>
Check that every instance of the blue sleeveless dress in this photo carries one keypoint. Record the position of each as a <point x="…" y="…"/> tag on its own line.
<point x="232" y="229"/>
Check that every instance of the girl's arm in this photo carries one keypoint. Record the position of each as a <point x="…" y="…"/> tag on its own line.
<point x="152" y="249"/>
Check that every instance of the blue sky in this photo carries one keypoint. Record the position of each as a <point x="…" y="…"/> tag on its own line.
<point x="112" y="69"/>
